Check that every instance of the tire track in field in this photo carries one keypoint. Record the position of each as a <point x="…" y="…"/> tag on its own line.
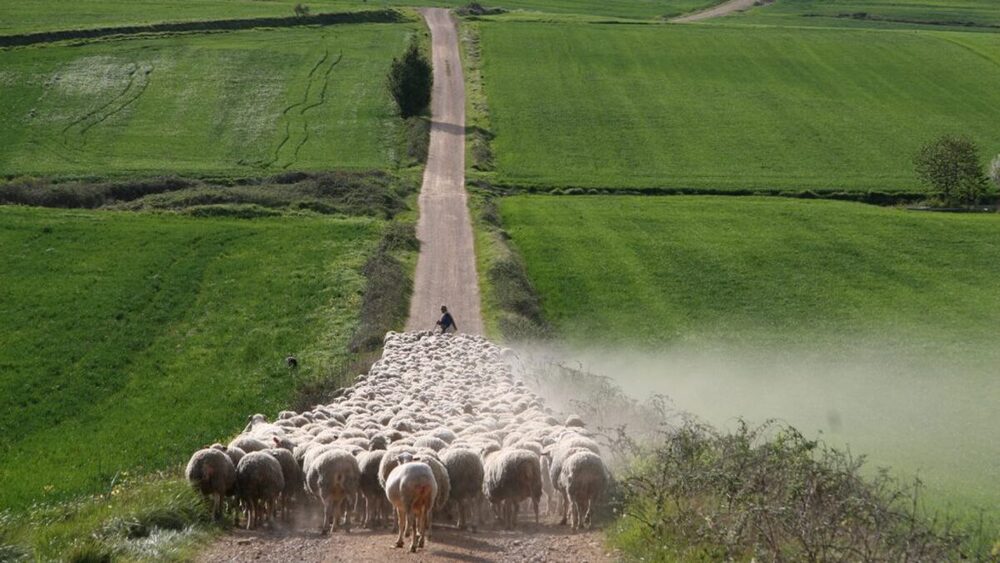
<point x="321" y="101"/>
<point x="138" y="82"/>
<point x="285" y="114"/>
<point x="128" y="86"/>
<point x="131" y="100"/>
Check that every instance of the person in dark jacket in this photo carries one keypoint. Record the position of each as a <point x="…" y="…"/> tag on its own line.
<point x="447" y="323"/>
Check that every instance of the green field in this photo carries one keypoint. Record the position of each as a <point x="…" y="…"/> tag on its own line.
<point x="130" y="340"/>
<point x="47" y="15"/>
<point x="712" y="107"/>
<point x="876" y="326"/>
<point x="971" y="14"/>
<point x="229" y="103"/>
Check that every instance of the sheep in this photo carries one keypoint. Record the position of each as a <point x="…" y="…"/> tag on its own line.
<point x="584" y="478"/>
<point x="294" y="479"/>
<point x="412" y="488"/>
<point x="212" y="473"/>
<point x="248" y="444"/>
<point x="511" y="476"/>
<point x="432" y="442"/>
<point x="333" y="477"/>
<point x="372" y="491"/>
<point x="259" y="481"/>
<point x="465" y="471"/>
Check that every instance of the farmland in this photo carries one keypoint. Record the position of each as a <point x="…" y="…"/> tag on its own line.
<point x="968" y="14"/>
<point x="230" y="103"/>
<point x="692" y="106"/>
<point x="48" y="15"/>
<point x="789" y="309"/>
<point x="131" y="339"/>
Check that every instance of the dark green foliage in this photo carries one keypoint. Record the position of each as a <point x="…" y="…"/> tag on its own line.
<point x="418" y="139"/>
<point x="346" y="193"/>
<point x="410" y="81"/>
<point x="387" y="290"/>
<point x="768" y="493"/>
<point x="375" y="16"/>
<point x="951" y="168"/>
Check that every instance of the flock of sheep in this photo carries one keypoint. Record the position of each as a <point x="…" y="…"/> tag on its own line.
<point x="439" y="426"/>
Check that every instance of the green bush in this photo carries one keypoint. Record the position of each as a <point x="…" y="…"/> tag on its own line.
<point x="410" y="82"/>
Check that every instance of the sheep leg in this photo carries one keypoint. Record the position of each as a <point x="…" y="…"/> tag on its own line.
<point x="564" y="505"/>
<point x="347" y="521"/>
<point x="401" y="524"/>
<point x="461" y="514"/>
<point x="411" y="523"/>
<point x="534" y="506"/>
<point x="424" y="526"/>
<point x="587" y="516"/>
<point x="327" y="513"/>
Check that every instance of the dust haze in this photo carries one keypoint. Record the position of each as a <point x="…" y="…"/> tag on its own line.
<point x="925" y="417"/>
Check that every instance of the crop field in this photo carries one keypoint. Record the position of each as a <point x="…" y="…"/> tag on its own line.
<point x="694" y="106"/>
<point x="240" y="102"/>
<point x="131" y="339"/>
<point x="878" y="320"/>
<point x="47" y="15"/>
<point x="970" y="14"/>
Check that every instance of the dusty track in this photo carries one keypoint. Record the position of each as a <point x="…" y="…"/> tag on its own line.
<point x="446" y="268"/>
<point x="716" y="11"/>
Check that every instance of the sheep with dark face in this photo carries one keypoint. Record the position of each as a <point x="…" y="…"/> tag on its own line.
<point x="259" y="481"/>
<point x="212" y="473"/>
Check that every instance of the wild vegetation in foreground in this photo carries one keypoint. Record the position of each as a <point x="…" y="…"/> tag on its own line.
<point x="965" y="14"/>
<point x="574" y="105"/>
<point x="877" y="319"/>
<point x="247" y="102"/>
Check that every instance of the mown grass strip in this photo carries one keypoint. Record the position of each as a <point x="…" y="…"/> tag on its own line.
<point x="682" y="107"/>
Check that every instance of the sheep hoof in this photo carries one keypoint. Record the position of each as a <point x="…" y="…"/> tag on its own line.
<point x="399" y="543"/>
<point x="413" y="549"/>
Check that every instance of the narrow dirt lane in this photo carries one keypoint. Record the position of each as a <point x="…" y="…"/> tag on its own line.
<point x="723" y="9"/>
<point x="446" y="268"/>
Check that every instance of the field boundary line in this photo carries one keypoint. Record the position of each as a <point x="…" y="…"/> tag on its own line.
<point x="335" y="18"/>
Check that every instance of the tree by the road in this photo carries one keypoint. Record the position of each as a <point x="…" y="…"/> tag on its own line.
<point x="410" y="81"/>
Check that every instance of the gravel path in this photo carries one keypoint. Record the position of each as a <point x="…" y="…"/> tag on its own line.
<point x="534" y="543"/>
<point x="723" y="9"/>
<point x="446" y="267"/>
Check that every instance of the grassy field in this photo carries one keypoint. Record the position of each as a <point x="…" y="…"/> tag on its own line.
<point x="882" y="13"/>
<point x="45" y="15"/>
<point x="696" y="106"/>
<point x="241" y="102"/>
<point x="130" y="339"/>
<point x="863" y="322"/>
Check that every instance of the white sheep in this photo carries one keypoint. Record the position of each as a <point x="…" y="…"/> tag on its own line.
<point x="411" y="488"/>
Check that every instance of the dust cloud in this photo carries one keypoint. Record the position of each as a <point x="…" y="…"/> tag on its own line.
<point x="922" y="416"/>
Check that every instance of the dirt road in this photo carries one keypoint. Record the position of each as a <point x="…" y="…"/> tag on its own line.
<point x="716" y="11"/>
<point x="446" y="268"/>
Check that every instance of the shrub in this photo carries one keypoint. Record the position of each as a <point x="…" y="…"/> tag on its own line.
<point x="950" y="167"/>
<point x="301" y="10"/>
<point x="410" y="80"/>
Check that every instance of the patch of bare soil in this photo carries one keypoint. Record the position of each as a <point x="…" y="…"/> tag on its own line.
<point x="544" y="542"/>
